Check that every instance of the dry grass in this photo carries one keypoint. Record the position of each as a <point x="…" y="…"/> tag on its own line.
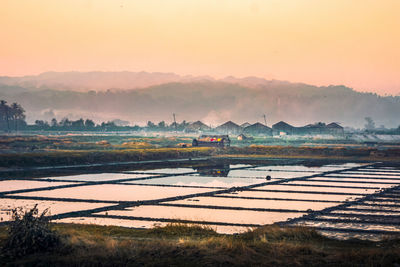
<point x="70" y="157"/>
<point x="181" y="245"/>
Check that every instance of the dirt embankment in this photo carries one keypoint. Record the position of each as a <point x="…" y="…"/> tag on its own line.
<point x="54" y="158"/>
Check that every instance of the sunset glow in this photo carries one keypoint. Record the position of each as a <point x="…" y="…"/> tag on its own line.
<point x="355" y="43"/>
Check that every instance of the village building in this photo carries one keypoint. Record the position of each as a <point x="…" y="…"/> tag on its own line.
<point x="229" y="127"/>
<point x="258" y="129"/>
<point x="244" y="125"/>
<point x="196" y="127"/>
<point x="335" y="128"/>
<point x="283" y="128"/>
<point x="311" y="129"/>
<point x="320" y="128"/>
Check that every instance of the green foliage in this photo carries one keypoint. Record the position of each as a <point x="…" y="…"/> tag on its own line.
<point x="30" y="232"/>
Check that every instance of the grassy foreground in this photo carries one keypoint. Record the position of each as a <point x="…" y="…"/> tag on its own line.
<point x="179" y="245"/>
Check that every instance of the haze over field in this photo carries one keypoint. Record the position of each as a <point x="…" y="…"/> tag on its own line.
<point x="155" y="96"/>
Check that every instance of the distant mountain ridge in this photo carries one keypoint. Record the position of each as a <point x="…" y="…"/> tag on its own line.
<point x="97" y="80"/>
<point x="193" y="98"/>
<point x="125" y="80"/>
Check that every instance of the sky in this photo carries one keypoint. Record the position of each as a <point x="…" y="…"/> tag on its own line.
<point x="348" y="42"/>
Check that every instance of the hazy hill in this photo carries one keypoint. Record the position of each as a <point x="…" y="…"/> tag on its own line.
<point x="212" y="102"/>
<point x="96" y="80"/>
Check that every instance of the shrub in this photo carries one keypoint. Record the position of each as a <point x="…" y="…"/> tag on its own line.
<point x="30" y="232"/>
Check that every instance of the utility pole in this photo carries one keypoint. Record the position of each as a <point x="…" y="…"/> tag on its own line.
<point x="173" y="114"/>
<point x="265" y="119"/>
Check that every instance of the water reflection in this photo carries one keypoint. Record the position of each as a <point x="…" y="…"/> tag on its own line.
<point x="220" y="170"/>
<point x="229" y="197"/>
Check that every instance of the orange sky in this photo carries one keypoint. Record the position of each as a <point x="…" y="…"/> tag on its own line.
<point x="351" y="42"/>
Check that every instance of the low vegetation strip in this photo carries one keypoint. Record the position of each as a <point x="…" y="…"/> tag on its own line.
<point x="95" y="156"/>
<point x="311" y="151"/>
<point x="183" y="245"/>
<point x="65" y="157"/>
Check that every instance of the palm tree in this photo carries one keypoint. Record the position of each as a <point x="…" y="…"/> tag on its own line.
<point x="4" y="112"/>
<point x="17" y="113"/>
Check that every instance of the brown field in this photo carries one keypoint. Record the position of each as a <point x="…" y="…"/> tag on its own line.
<point x="179" y="245"/>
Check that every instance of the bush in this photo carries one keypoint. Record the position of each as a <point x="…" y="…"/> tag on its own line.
<point x="30" y="232"/>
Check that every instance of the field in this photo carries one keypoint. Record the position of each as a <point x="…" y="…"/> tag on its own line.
<point x="123" y="200"/>
<point x="72" y="149"/>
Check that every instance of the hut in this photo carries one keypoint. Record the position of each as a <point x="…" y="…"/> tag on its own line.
<point x="229" y="127"/>
<point x="335" y="129"/>
<point x="312" y="129"/>
<point x="258" y="129"/>
<point x="320" y="128"/>
<point x="244" y="125"/>
<point x="283" y="127"/>
<point x="197" y="126"/>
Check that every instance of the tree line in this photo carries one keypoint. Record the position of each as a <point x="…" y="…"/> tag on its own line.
<point x="78" y="125"/>
<point x="12" y="117"/>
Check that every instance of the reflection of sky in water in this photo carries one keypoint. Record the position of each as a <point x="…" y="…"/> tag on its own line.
<point x="112" y="221"/>
<point x="358" y="226"/>
<point x="372" y="173"/>
<point x="181" y="170"/>
<point x="382" y="168"/>
<point x="164" y="171"/>
<point x="98" y="177"/>
<point x="346" y="174"/>
<point x="341" y="236"/>
<point x="117" y="192"/>
<point x="201" y="181"/>
<point x="11" y="185"/>
<point x="254" y="203"/>
<point x="377" y="207"/>
<point x="383" y="201"/>
<point x="131" y="191"/>
<point x="363" y="212"/>
<point x="291" y="195"/>
<point x="55" y="207"/>
<point x="146" y="224"/>
<point x="263" y="174"/>
<point x="210" y="215"/>
<point x="308" y="169"/>
<point x="355" y="180"/>
<point x="328" y="184"/>
<point x="316" y="189"/>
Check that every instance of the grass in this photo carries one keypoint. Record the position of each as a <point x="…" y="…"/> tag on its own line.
<point x="71" y="157"/>
<point x="181" y="245"/>
<point x="37" y="150"/>
<point x="132" y="152"/>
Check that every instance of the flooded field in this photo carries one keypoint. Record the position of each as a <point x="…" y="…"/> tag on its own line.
<point x="344" y="200"/>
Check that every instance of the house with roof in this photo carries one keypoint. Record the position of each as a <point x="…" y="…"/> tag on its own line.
<point x="283" y="128"/>
<point x="335" y="129"/>
<point x="244" y="125"/>
<point x="311" y="129"/>
<point x="196" y="127"/>
<point x="320" y="128"/>
<point x="258" y="129"/>
<point x="229" y="127"/>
